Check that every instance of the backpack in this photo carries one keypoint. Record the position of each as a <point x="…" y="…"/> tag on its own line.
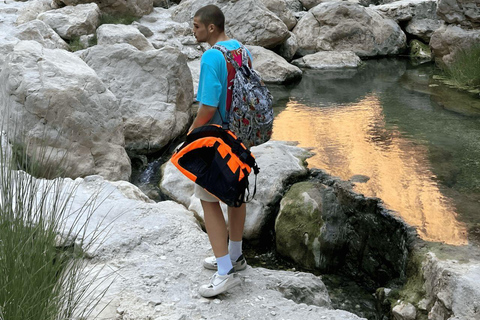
<point x="216" y="160"/>
<point x="250" y="116"/>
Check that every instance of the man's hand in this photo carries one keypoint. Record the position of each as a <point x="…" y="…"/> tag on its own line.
<point x="205" y="113"/>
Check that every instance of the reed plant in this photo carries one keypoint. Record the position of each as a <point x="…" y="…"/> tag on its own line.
<point x="464" y="71"/>
<point x="44" y="273"/>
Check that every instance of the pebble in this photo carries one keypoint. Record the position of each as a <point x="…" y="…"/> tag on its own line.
<point x="273" y="313"/>
<point x="217" y="301"/>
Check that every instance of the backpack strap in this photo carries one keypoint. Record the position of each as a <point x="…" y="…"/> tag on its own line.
<point x="229" y="57"/>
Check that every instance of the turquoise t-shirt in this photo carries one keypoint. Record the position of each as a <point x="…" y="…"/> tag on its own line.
<point x="212" y="85"/>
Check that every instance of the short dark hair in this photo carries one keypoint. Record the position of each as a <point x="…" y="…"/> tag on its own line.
<point x="211" y="14"/>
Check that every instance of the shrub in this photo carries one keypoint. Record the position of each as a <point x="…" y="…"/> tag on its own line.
<point x="465" y="69"/>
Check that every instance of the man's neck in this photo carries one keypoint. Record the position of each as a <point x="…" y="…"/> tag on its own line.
<point x="221" y="37"/>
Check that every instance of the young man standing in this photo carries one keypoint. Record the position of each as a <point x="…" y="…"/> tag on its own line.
<point x="213" y="94"/>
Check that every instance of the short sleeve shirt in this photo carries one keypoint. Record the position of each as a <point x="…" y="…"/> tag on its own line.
<point x="212" y="85"/>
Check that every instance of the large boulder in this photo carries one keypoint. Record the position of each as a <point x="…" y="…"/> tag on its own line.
<point x="73" y="21"/>
<point x="329" y="60"/>
<point x="324" y="225"/>
<point x="346" y="26"/>
<point x="39" y="31"/>
<point x="119" y="33"/>
<point x="420" y="17"/>
<point x="447" y="41"/>
<point x="56" y="101"/>
<point x="271" y="67"/>
<point x="248" y="21"/>
<point x="279" y="7"/>
<point x="32" y="9"/>
<point x="279" y="163"/>
<point x="154" y="257"/>
<point x="154" y="89"/>
<point x="462" y="12"/>
<point x="137" y="8"/>
<point x="288" y="49"/>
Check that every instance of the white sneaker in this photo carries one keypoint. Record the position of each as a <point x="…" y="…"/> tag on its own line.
<point x="211" y="263"/>
<point x="219" y="284"/>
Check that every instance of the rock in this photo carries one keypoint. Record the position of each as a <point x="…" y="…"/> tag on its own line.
<point x="279" y="163"/>
<point x="155" y="257"/>
<point x="156" y="106"/>
<point x="404" y="311"/>
<point x="419" y="50"/>
<point x="329" y="60"/>
<point x="6" y="46"/>
<point x="73" y="21"/>
<point x="248" y="21"/>
<point x="272" y="67"/>
<point x="420" y="16"/>
<point x="448" y="40"/>
<point x="39" y="31"/>
<point x="453" y="287"/>
<point x="137" y="8"/>
<point x="119" y="33"/>
<point x="323" y="225"/>
<point x="288" y="49"/>
<point x="279" y="8"/>
<point x="339" y="26"/>
<point x="143" y="29"/>
<point x="131" y="191"/>
<point x="294" y="5"/>
<point x="309" y="4"/>
<point x="33" y="8"/>
<point x="462" y="12"/>
<point x="87" y="40"/>
<point x="194" y="67"/>
<point x="63" y="105"/>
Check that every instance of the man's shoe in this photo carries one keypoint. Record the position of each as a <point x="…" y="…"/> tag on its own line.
<point x="211" y="263"/>
<point x="219" y="284"/>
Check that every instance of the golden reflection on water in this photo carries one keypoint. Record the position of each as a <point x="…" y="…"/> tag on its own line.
<point x="352" y="140"/>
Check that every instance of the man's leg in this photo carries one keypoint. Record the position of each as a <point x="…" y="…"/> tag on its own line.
<point x="236" y="223"/>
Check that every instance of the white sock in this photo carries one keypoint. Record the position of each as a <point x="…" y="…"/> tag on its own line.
<point x="235" y="249"/>
<point x="224" y="265"/>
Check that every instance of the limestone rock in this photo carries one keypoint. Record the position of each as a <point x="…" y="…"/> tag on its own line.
<point x="32" y="10"/>
<point x="6" y="46"/>
<point x="309" y="4"/>
<point x="154" y="89"/>
<point x="137" y="8"/>
<point x="423" y="28"/>
<point x="294" y="5"/>
<point x="39" y="31"/>
<point x="278" y="162"/>
<point x="119" y="33"/>
<point x="449" y="39"/>
<point x="462" y="12"/>
<point x="329" y="60"/>
<point x="194" y="67"/>
<point x="248" y="21"/>
<point x="73" y="21"/>
<point x="131" y="191"/>
<point x="404" y="311"/>
<point x="61" y="104"/>
<point x="288" y="49"/>
<point x="346" y="26"/>
<point x="279" y="8"/>
<point x="272" y="67"/>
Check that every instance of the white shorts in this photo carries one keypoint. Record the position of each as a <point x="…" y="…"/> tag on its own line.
<point x="204" y="195"/>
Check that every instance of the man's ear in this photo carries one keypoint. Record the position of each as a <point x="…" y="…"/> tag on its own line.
<point x="211" y="27"/>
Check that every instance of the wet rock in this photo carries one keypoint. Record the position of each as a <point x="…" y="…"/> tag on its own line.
<point x="248" y="21"/>
<point x="325" y="226"/>
<point x="338" y="26"/>
<point x="47" y="90"/>
<point x="271" y="67"/>
<point x="279" y="8"/>
<point x="118" y="33"/>
<point x="39" y="31"/>
<point x="156" y="109"/>
<point x="419" y="50"/>
<point x="279" y="163"/>
<point x="73" y="21"/>
<point x="404" y="311"/>
<point x="463" y="12"/>
<point x="329" y="60"/>
<point x="448" y="40"/>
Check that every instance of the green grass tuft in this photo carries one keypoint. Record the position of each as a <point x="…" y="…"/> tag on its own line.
<point x="464" y="71"/>
<point x="107" y="18"/>
<point x="75" y="44"/>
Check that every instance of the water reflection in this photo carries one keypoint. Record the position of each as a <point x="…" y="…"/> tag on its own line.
<point x="352" y="139"/>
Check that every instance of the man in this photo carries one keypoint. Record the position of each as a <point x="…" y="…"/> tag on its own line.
<point x="208" y="26"/>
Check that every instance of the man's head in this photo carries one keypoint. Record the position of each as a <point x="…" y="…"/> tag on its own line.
<point x="208" y="23"/>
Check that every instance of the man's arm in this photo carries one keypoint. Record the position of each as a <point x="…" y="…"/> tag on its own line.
<point x="205" y="113"/>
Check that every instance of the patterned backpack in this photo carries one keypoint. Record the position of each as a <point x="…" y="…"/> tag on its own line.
<point x="250" y="116"/>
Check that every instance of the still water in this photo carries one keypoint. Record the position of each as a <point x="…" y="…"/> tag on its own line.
<point x="415" y="141"/>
